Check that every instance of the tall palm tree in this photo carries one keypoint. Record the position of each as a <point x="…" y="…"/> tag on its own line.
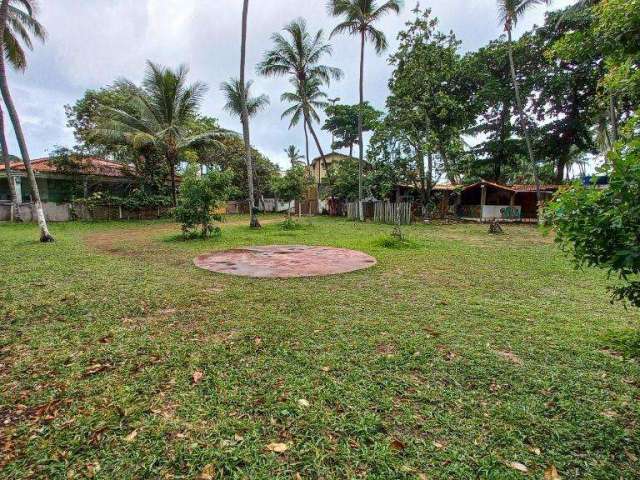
<point x="313" y="98"/>
<point x="17" y="24"/>
<point x="253" y="223"/>
<point x="298" y="53"/>
<point x="164" y="107"/>
<point x="510" y="12"/>
<point x="232" y="91"/>
<point x="359" y="19"/>
<point x="294" y="154"/>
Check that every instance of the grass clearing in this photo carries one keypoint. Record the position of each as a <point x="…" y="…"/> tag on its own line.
<point x="454" y="358"/>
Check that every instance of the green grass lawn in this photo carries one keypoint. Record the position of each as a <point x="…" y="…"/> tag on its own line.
<point x="452" y="358"/>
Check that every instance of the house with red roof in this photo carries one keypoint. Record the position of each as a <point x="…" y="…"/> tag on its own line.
<point x="58" y="184"/>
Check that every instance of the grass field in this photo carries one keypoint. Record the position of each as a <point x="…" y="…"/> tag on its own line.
<point x="459" y="356"/>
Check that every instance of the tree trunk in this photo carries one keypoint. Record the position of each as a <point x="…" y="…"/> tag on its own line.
<point x="306" y="143"/>
<point x="360" y="140"/>
<point x="560" y="168"/>
<point x="174" y="194"/>
<point x="7" y="168"/>
<point x="613" y="115"/>
<point x="254" y="223"/>
<point x="523" y="123"/>
<point x="45" y="236"/>
<point x="315" y="138"/>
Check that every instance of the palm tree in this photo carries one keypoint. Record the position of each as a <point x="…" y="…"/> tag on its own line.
<point x="294" y="154"/>
<point x="164" y="107"/>
<point x="359" y="18"/>
<point x="233" y="94"/>
<point x="17" y="24"/>
<point x="253" y="223"/>
<point x="314" y="99"/>
<point x="297" y="53"/>
<point x="510" y="12"/>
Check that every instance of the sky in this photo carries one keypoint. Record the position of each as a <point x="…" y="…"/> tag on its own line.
<point x="91" y="43"/>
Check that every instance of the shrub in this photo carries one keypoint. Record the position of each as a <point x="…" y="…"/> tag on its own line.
<point x="199" y="197"/>
<point x="601" y="227"/>
<point x="290" y="224"/>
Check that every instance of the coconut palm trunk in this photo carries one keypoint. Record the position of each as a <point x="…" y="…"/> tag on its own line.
<point x="306" y="143"/>
<point x="13" y="195"/>
<point x="254" y="223"/>
<point x="523" y="123"/>
<point x="45" y="236"/>
<point x="360" y="136"/>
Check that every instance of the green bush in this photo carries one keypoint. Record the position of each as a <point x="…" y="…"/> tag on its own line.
<point x="199" y="197"/>
<point x="601" y="227"/>
<point x="290" y="224"/>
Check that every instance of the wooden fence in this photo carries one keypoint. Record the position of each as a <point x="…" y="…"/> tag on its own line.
<point x="392" y="213"/>
<point x="382" y="212"/>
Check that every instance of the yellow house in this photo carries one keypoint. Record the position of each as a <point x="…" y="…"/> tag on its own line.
<point x="317" y="165"/>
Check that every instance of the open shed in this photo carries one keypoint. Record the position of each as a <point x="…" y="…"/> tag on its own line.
<point x="486" y="201"/>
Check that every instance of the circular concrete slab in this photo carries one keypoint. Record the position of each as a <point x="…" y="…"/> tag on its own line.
<point x="285" y="261"/>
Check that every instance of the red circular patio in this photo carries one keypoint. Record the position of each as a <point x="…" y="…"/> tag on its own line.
<point x="285" y="261"/>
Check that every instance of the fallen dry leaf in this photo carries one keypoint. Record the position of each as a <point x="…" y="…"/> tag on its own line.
<point x="132" y="436"/>
<point x="208" y="472"/>
<point x="297" y="476"/>
<point x="278" y="447"/>
<point x="197" y="376"/>
<point x="510" y="356"/>
<point x="96" y="368"/>
<point x="551" y="473"/>
<point x="518" y="466"/>
<point x="438" y="445"/>
<point x="397" y="444"/>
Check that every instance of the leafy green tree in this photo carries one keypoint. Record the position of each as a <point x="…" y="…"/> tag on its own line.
<point x="83" y="117"/>
<point x="430" y="91"/>
<point x="292" y="185"/>
<point x="344" y="180"/>
<point x="232" y="157"/>
<point x="601" y="227"/>
<point x="200" y="195"/>
<point x="565" y="100"/>
<point x="360" y="16"/>
<point x="297" y="54"/>
<point x="511" y="11"/>
<point x="164" y="107"/>
<point x="397" y="158"/>
<point x="342" y="122"/>
<point x="17" y="24"/>
<point x="500" y="153"/>
<point x="313" y="100"/>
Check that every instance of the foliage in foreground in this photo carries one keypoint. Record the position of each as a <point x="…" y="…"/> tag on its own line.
<point x="602" y="227"/>
<point x="199" y="197"/>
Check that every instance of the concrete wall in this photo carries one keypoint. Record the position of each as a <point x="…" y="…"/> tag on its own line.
<point x="54" y="212"/>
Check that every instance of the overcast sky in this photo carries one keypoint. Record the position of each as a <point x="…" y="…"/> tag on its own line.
<point x="93" y="42"/>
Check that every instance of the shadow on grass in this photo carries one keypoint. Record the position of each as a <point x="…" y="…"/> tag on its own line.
<point x="626" y="343"/>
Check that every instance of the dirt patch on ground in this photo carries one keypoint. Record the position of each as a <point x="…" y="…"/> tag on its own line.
<point x="145" y="241"/>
